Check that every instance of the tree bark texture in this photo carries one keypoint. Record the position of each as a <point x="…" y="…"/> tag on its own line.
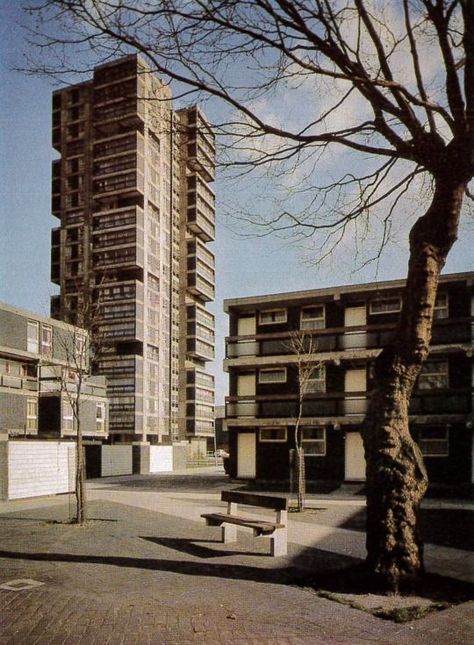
<point x="396" y="475"/>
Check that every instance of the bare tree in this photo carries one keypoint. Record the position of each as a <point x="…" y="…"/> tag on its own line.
<point x="389" y="84"/>
<point x="304" y="347"/>
<point x="81" y="344"/>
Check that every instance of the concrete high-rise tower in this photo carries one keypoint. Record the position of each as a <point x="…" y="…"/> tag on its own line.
<point x="131" y="190"/>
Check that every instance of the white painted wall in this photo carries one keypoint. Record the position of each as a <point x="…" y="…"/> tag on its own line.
<point x="161" y="459"/>
<point x="40" y="468"/>
<point x="116" y="460"/>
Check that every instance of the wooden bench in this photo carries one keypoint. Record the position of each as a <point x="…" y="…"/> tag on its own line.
<point x="277" y="530"/>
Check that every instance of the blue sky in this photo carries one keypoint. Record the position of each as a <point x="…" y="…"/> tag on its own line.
<point x="245" y="266"/>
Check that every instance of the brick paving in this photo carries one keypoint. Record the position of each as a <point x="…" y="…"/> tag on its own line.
<point x="134" y="575"/>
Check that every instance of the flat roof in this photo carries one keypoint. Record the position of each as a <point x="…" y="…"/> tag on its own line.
<point x="297" y="296"/>
<point x="34" y="316"/>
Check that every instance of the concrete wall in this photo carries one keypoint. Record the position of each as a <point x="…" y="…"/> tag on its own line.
<point x="161" y="459"/>
<point x="37" y="468"/>
<point x="13" y="410"/>
<point x="116" y="460"/>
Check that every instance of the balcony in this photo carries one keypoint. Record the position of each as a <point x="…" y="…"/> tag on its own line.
<point x="121" y="330"/>
<point x="200" y="287"/>
<point x="200" y="158"/>
<point x="114" y="145"/>
<point x="123" y="237"/>
<point x="451" y="401"/>
<point x="116" y="165"/>
<point x="199" y="395"/>
<point x="199" y="315"/>
<point x="198" y="410"/>
<point x="445" y="332"/>
<point x="115" y="73"/>
<point x="129" y="110"/>
<point x="199" y="378"/>
<point x="118" y="218"/>
<point x="19" y="383"/>
<point x="130" y="183"/>
<point x="124" y="257"/>
<point x="199" y="349"/>
<point x="120" y="292"/>
<point x="200" y="225"/>
<point x="339" y="404"/>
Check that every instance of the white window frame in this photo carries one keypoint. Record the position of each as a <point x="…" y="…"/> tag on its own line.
<point x="316" y="384"/>
<point x="100" y="417"/>
<point x="441" y="311"/>
<point x="46" y="344"/>
<point x="389" y="309"/>
<point x="311" y="440"/>
<point x="263" y="439"/>
<point x="313" y="322"/>
<point x="424" y="382"/>
<point x="424" y="442"/>
<point x="273" y="369"/>
<point x="31" y="417"/>
<point x="272" y="311"/>
<point x="32" y="343"/>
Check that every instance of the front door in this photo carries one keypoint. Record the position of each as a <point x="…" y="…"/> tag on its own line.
<point x="246" y="455"/>
<point x="354" y="458"/>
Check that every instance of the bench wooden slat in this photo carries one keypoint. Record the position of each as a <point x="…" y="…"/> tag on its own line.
<point x="254" y="499"/>
<point x="262" y="527"/>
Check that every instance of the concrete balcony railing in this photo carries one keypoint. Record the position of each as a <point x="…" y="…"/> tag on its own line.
<point x="445" y="332"/>
<point x="200" y="287"/>
<point x="200" y="225"/>
<point x="199" y="315"/>
<point x="200" y="349"/>
<point x="454" y="401"/>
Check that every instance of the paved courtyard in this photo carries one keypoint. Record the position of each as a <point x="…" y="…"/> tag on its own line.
<point x="146" y="569"/>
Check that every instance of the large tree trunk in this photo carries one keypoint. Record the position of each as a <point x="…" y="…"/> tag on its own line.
<point x="396" y="476"/>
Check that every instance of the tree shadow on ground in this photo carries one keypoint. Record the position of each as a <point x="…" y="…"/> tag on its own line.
<point x="329" y="572"/>
<point x="184" y="567"/>
<point x="446" y="527"/>
<point x="197" y="550"/>
<point x="355" y="580"/>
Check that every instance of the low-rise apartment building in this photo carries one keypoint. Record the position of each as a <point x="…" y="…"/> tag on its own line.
<point x="348" y="326"/>
<point x="38" y="379"/>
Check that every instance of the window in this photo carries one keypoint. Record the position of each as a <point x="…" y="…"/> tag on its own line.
<point x="79" y="346"/>
<point x="32" y="414"/>
<point x="32" y="336"/>
<point x="434" y="375"/>
<point x="272" y="316"/>
<point x="46" y="339"/>
<point x="273" y="375"/>
<point x="316" y="380"/>
<point x="314" y="441"/>
<point x="272" y="434"/>
<point x="100" y="417"/>
<point x="68" y="418"/>
<point x="28" y="370"/>
<point x="386" y="306"/>
<point x="434" y="442"/>
<point x="441" y="307"/>
<point x="312" y="318"/>
<point x="5" y="366"/>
